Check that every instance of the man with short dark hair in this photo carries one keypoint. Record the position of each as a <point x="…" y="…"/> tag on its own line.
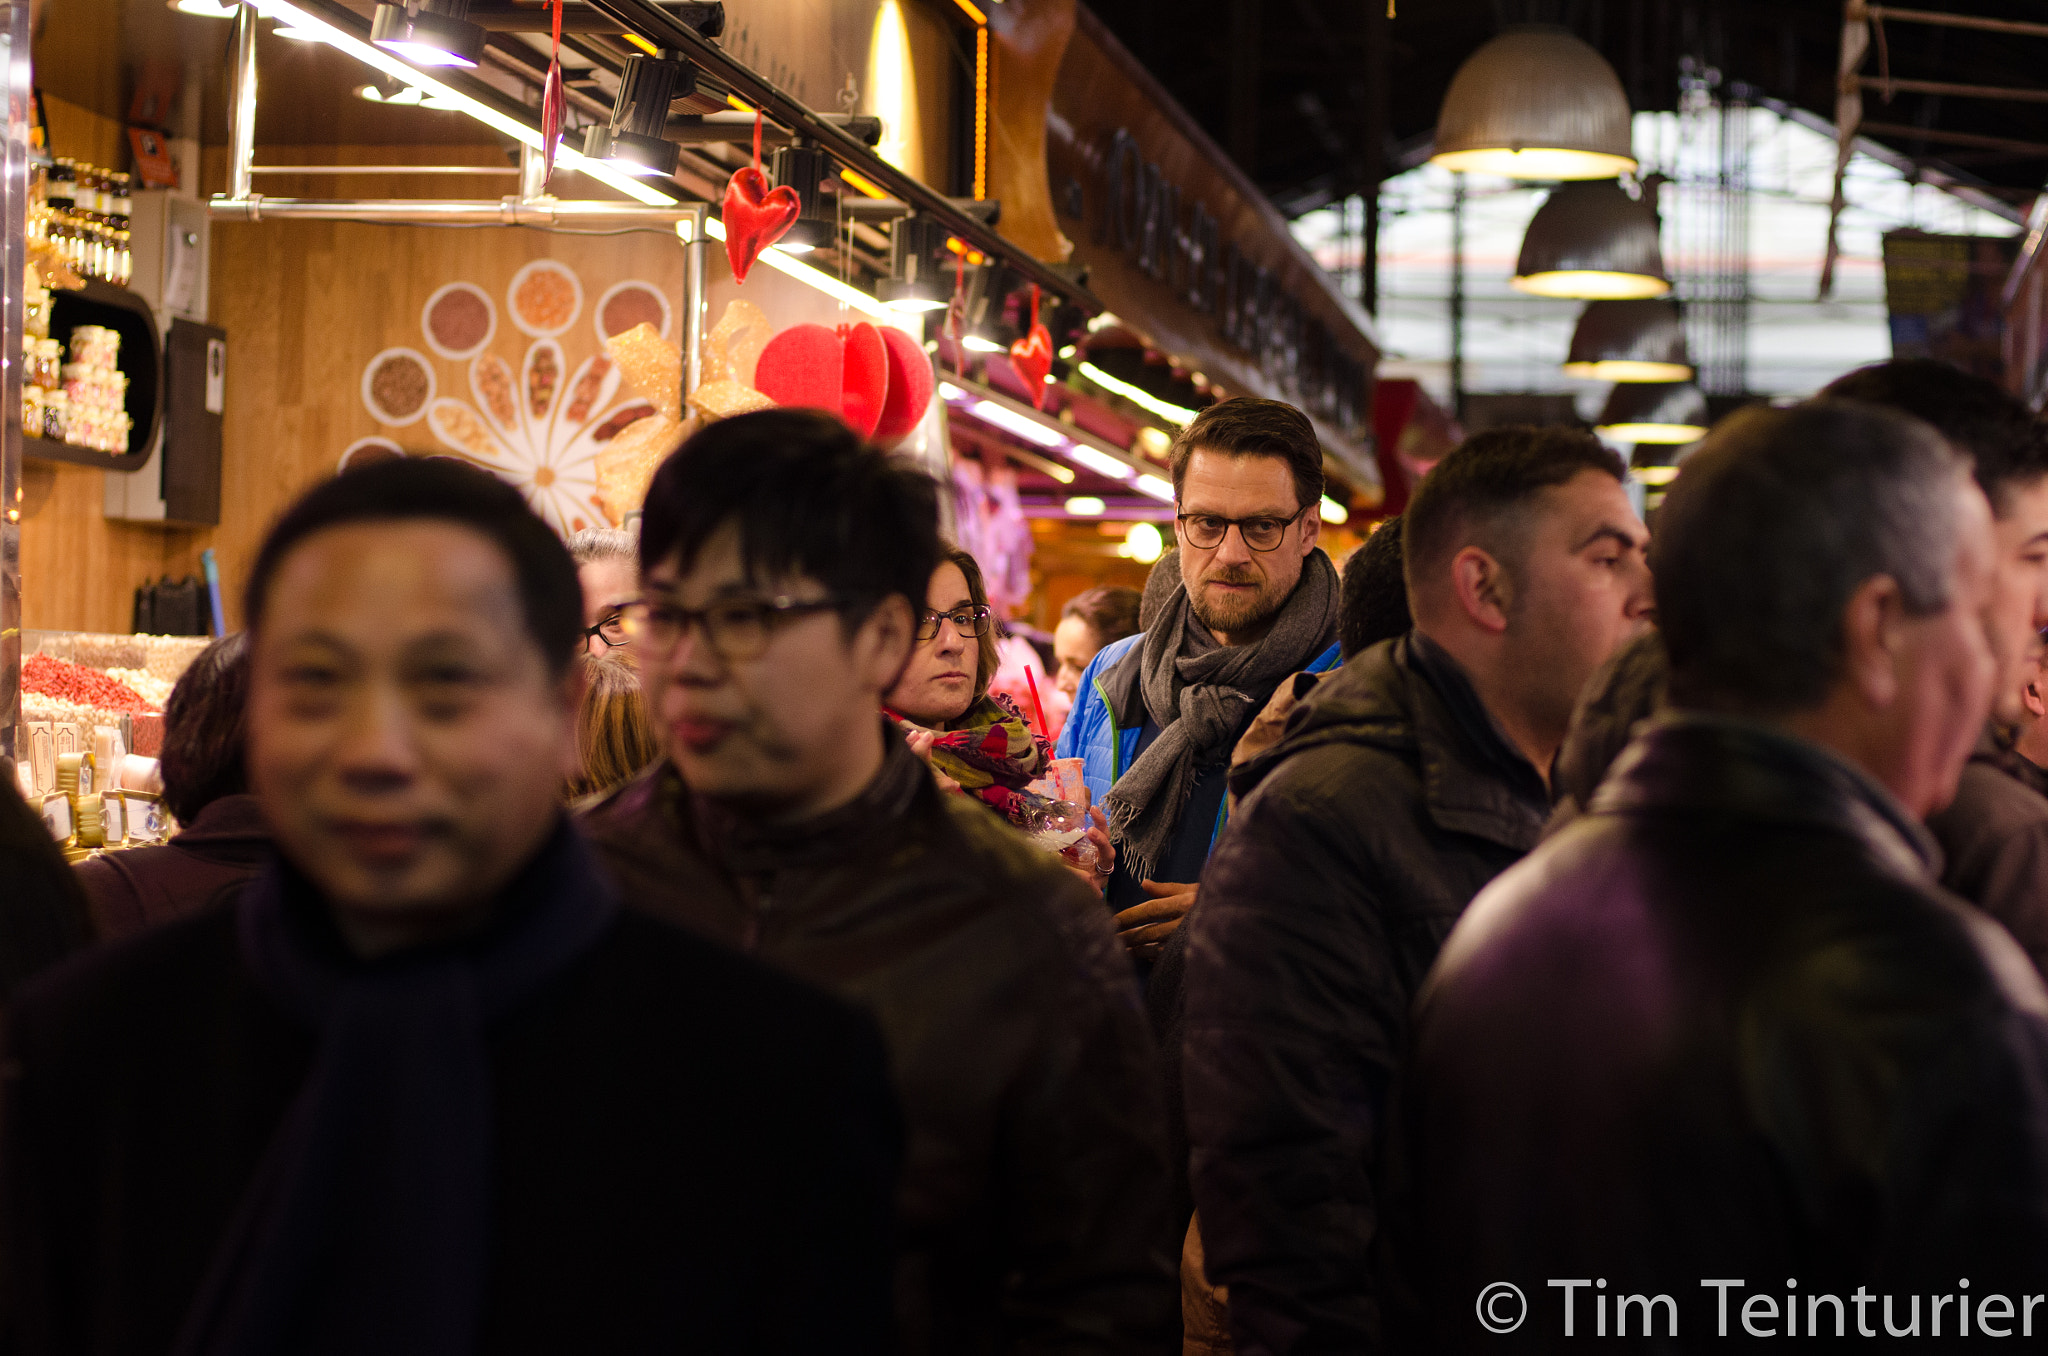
<point x="1724" y="1029"/>
<point x="1413" y="776"/>
<point x="1247" y="600"/>
<point x="424" y="1087"/>
<point x="1994" y="835"/>
<point x="785" y="568"/>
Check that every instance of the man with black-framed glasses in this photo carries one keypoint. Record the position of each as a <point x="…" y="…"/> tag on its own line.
<point x="1246" y="601"/>
<point x="785" y="570"/>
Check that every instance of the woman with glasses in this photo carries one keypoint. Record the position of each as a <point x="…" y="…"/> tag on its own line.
<point x="978" y="742"/>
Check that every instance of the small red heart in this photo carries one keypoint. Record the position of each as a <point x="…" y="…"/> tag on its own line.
<point x="1032" y="357"/>
<point x="755" y="216"/>
<point x="551" y="102"/>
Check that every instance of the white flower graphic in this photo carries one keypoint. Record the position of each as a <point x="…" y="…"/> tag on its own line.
<point x="539" y="428"/>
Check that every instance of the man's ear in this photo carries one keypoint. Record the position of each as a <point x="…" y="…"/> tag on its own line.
<point x="2031" y="698"/>
<point x="883" y="643"/>
<point x="1311" y="529"/>
<point x="1873" y="635"/>
<point x="1482" y="588"/>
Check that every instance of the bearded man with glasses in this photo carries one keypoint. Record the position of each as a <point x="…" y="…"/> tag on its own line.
<point x="785" y="569"/>
<point x="1245" y="602"/>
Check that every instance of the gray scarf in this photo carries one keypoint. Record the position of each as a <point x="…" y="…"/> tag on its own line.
<point x="1202" y="698"/>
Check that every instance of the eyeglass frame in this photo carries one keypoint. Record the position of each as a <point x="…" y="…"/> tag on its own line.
<point x="985" y="614"/>
<point x="774" y="610"/>
<point x="596" y="632"/>
<point x="1180" y="521"/>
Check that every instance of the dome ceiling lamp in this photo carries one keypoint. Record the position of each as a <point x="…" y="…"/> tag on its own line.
<point x="1664" y="413"/>
<point x="1594" y="242"/>
<point x="1536" y="103"/>
<point x="1631" y="341"/>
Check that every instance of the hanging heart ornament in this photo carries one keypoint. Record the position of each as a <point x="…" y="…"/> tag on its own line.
<point x="1032" y="355"/>
<point x="552" y="99"/>
<point x="755" y="215"/>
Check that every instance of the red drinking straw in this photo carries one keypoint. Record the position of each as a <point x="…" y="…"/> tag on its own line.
<point x="1036" y="704"/>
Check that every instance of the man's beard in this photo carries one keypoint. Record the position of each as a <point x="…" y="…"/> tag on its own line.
<point x="1232" y="613"/>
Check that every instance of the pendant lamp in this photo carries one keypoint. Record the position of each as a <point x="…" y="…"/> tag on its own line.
<point x="1641" y="340"/>
<point x="1592" y="240"/>
<point x="1535" y="103"/>
<point x="1654" y="412"/>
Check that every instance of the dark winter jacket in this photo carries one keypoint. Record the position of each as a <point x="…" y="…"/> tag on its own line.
<point x="1994" y="844"/>
<point x="219" y="851"/>
<point x="689" y="1151"/>
<point x="1361" y="837"/>
<point x="1034" y="1201"/>
<point x="1725" y="1025"/>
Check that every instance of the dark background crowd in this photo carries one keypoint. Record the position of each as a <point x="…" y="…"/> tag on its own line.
<point x="669" y="942"/>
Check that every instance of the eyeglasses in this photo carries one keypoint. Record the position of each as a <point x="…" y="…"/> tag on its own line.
<point x="739" y="629"/>
<point x="1206" y="531"/>
<point x="968" y="621"/>
<point x="612" y="631"/>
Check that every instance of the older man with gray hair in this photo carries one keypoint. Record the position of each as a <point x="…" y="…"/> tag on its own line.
<point x="1726" y="1030"/>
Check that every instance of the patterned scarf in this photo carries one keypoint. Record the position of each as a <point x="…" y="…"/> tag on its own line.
<point x="993" y="754"/>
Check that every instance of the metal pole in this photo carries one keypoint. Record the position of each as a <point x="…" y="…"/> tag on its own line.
<point x="13" y="271"/>
<point x="695" y="243"/>
<point x="242" y="103"/>
<point x="499" y="212"/>
<point x="1458" y="295"/>
<point x="665" y="30"/>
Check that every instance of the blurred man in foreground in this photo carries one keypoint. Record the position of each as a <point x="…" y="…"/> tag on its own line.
<point x="424" y="1088"/>
<point x="1725" y="1024"/>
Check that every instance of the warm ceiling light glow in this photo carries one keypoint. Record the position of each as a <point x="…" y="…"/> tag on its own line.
<point x="1665" y="414"/>
<point x="1655" y="475"/>
<point x="1156" y="441"/>
<point x="915" y="305"/>
<point x="1159" y="487"/>
<point x="1138" y="395"/>
<point x="1536" y="104"/>
<point x="1144" y="543"/>
<point x="1533" y="163"/>
<point x="1099" y="462"/>
<point x="1332" y="511"/>
<point x="1661" y="434"/>
<point x="298" y="34"/>
<point x="1629" y="369"/>
<point x="975" y="343"/>
<point x="1024" y="426"/>
<point x="892" y="91"/>
<point x="949" y="392"/>
<point x="1592" y="285"/>
<point x="1085" y="506"/>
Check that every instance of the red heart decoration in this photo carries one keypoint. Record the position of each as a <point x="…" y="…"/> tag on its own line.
<point x="755" y="216"/>
<point x="910" y="387"/>
<point x="551" y="102"/>
<point x="843" y="372"/>
<point x="1032" y="357"/>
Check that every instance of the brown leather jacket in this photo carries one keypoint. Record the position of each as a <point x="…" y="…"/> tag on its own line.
<point x="1034" y="1202"/>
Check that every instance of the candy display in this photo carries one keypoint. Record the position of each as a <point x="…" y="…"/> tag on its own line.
<point x="99" y="694"/>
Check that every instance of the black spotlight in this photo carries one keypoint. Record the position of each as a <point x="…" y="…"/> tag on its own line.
<point x="633" y="140"/>
<point x="805" y="169"/>
<point x="919" y="282"/>
<point x="429" y="32"/>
